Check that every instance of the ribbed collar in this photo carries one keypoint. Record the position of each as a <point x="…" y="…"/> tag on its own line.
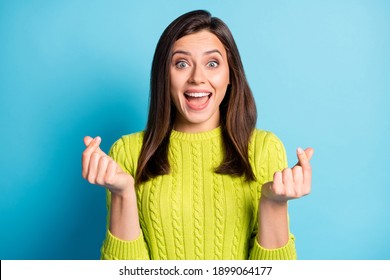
<point x="200" y="136"/>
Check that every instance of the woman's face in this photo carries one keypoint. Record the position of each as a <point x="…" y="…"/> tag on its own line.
<point x="199" y="79"/>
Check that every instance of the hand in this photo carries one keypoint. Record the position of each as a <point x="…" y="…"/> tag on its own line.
<point x="98" y="168"/>
<point x="291" y="183"/>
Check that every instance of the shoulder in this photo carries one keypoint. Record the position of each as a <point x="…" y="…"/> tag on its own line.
<point x="133" y="140"/>
<point x="262" y="139"/>
<point x="126" y="150"/>
<point x="266" y="153"/>
<point x="129" y="141"/>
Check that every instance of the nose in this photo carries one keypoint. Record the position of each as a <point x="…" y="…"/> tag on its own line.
<point x="197" y="75"/>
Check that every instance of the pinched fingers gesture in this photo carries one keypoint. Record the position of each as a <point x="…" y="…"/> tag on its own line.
<point x="98" y="168"/>
<point x="292" y="182"/>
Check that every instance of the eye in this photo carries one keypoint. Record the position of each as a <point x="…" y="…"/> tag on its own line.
<point x="213" y="64"/>
<point x="181" y="64"/>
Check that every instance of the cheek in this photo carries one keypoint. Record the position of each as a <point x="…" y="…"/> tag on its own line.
<point x="174" y="97"/>
<point x="174" y="87"/>
<point x="220" y="80"/>
<point x="177" y="79"/>
<point x="172" y="82"/>
<point x="175" y="92"/>
<point x="221" y="76"/>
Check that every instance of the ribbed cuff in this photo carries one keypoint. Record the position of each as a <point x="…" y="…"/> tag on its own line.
<point x="287" y="252"/>
<point x="116" y="249"/>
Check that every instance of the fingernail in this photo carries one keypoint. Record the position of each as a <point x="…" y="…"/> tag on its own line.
<point x="300" y="151"/>
<point x="97" y="139"/>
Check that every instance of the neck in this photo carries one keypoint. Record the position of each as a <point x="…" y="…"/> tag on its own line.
<point x="189" y="127"/>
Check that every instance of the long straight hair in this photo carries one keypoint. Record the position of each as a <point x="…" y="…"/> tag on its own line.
<point x="238" y="109"/>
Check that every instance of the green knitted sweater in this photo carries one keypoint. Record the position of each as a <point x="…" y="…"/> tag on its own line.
<point x="194" y="213"/>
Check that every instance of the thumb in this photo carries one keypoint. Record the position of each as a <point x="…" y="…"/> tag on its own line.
<point x="87" y="140"/>
<point x="309" y="153"/>
<point x="93" y="145"/>
<point x="304" y="156"/>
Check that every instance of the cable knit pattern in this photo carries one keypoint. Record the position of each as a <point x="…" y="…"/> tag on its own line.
<point x="155" y="216"/>
<point x="239" y="211"/>
<point x="194" y="213"/>
<point x="176" y="222"/>
<point x="198" y="211"/>
<point x="218" y="203"/>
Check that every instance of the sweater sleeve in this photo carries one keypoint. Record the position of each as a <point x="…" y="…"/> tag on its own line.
<point x="270" y="156"/>
<point x="125" y="153"/>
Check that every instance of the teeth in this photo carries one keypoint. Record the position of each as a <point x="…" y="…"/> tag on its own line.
<point x="197" y="94"/>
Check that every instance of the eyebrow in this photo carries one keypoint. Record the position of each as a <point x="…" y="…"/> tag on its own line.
<point x="205" y="53"/>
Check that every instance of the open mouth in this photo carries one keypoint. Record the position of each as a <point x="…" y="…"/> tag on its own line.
<point x="197" y="100"/>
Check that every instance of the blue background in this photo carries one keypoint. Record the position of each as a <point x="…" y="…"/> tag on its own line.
<point x="320" y="74"/>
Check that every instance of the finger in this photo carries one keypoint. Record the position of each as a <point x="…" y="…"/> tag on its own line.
<point x="93" y="144"/>
<point x="93" y="167"/>
<point x="297" y="173"/>
<point x="288" y="182"/>
<point x="111" y="172"/>
<point x="278" y="187"/>
<point x="102" y="170"/>
<point x="309" y="153"/>
<point x="304" y="157"/>
<point x="306" y="154"/>
<point x="87" y="140"/>
<point x="92" y="147"/>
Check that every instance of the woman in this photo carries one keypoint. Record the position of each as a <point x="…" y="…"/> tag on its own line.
<point x="200" y="182"/>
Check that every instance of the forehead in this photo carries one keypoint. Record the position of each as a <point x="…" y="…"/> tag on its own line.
<point x="199" y="42"/>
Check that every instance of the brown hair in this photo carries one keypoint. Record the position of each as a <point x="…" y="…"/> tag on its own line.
<point x="238" y="109"/>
